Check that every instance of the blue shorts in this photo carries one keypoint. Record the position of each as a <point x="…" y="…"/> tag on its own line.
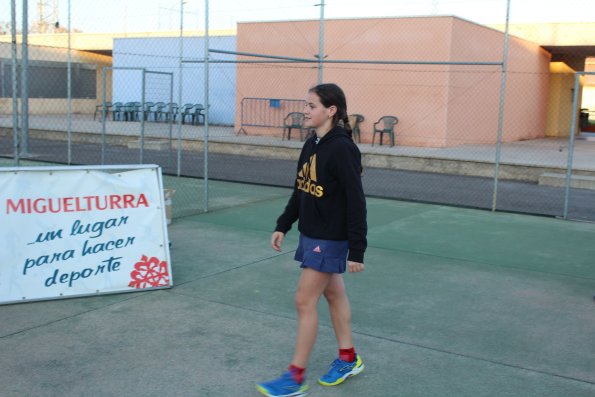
<point x="327" y="256"/>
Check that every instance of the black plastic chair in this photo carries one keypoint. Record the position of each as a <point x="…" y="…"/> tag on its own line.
<point x="198" y="117"/>
<point x="159" y="110"/>
<point x="186" y="111"/>
<point x="149" y="109"/>
<point x="170" y="111"/>
<point x="99" y="109"/>
<point x="118" y="111"/>
<point x="131" y="111"/>
<point x="291" y="121"/>
<point x="385" y="125"/>
<point x="355" y="120"/>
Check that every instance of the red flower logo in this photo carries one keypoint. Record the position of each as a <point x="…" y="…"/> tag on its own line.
<point x="149" y="272"/>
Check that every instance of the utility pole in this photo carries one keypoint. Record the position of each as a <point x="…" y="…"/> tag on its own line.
<point x="320" y="42"/>
<point x="47" y="16"/>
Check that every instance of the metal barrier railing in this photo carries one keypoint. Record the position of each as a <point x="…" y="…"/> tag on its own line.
<point x="266" y="112"/>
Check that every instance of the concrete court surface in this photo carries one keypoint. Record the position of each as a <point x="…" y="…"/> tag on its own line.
<point x="453" y="302"/>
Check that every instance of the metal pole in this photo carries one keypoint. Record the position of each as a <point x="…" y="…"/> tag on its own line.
<point x="501" y="108"/>
<point x="142" y="119"/>
<point x="25" y="81"/>
<point x="321" y="42"/>
<point x="69" y="89"/>
<point x="103" y="111"/>
<point x="206" y="100"/>
<point x="171" y="118"/>
<point x="15" y="102"/>
<point x="180" y="83"/>
<point x="571" y="143"/>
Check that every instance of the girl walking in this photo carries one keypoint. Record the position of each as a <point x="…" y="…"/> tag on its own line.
<point x="329" y="204"/>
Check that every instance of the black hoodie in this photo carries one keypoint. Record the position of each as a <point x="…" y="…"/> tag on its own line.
<point x="328" y="198"/>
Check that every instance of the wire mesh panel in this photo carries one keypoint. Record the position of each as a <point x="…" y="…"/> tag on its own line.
<point x="446" y="105"/>
<point x="448" y="108"/>
<point x="59" y="93"/>
<point x="267" y="112"/>
<point x="579" y="179"/>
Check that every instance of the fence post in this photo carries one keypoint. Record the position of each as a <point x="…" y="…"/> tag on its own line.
<point x="25" y="81"/>
<point x="206" y="100"/>
<point x="170" y="118"/>
<point x="571" y="143"/>
<point x="142" y="118"/>
<point x="69" y="89"/>
<point x="103" y="112"/>
<point x="501" y="109"/>
<point x="180" y="83"/>
<point x="15" y="102"/>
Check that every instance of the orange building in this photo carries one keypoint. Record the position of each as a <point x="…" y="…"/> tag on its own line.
<point x="438" y="105"/>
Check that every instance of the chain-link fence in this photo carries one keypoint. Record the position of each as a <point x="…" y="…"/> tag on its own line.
<point x="446" y="109"/>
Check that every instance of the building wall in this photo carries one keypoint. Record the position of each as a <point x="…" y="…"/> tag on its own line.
<point x="57" y="105"/>
<point x="475" y="91"/>
<point x="559" y="114"/>
<point x="588" y="101"/>
<point x="438" y="105"/>
<point x="162" y="55"/>
<point x="415" y="94"/>
<point x="372" y="90"/>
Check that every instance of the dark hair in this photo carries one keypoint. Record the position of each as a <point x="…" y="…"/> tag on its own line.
<point x="333" y="95"/>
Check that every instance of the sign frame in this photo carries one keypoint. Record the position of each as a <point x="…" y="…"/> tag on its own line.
<point x="143" y="221"/>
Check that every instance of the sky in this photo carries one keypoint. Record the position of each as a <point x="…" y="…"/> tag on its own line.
<point x="162" y="15"/>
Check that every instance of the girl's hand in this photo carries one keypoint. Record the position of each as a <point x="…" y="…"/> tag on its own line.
<point x="355" y="267"/>
<point x="277" y="240"/>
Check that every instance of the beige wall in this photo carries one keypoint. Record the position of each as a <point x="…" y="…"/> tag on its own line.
<point x="50" y="106"/>
<point x="589" y="100"/>
<point x="559" y="114"/>
<point x="590" y="67"/>
<point x="59" y="105"/>
<point x="437" y="105"/>
<point x="553" y="34"/>
<point x="103" y="41"/>
<point x="589" y="88"/>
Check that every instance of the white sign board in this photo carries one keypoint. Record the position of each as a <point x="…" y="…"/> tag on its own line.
<point x="75" y="231"/>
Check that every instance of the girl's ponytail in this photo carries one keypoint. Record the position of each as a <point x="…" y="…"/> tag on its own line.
<point x="347" y="125"/>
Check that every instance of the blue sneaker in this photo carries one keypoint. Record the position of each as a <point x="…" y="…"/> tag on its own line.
<point x="341" y="370"/>
<point x="284" y="386"/>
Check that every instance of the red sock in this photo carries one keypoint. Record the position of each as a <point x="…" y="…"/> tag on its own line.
<point x="297" y="372"/>
<point x="347" y="354"/>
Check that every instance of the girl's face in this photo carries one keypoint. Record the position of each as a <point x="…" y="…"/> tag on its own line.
<point x="316" y="115"/>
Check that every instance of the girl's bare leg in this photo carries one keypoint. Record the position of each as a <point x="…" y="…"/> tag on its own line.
<point x="310" y="287"/>
<point x="340" y="310"/>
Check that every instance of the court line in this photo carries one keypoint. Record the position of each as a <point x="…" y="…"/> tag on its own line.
<point x="487" y="264"/>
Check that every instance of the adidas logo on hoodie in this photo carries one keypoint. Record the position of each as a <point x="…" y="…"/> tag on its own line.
<point x="307" y="178"/>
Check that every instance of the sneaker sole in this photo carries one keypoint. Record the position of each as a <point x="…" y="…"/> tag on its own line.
<point x="342" y="379"/>
<point x="296" y="394"/>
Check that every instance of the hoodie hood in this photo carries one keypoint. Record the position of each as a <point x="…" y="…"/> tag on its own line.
<point x="335" y="133"/>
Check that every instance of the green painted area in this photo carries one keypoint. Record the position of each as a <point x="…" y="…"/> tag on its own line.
<point x="506" y="296"/>
<point x="189" y="196"/>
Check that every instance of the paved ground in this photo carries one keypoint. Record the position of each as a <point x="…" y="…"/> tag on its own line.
<point x="453" y="302"/>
